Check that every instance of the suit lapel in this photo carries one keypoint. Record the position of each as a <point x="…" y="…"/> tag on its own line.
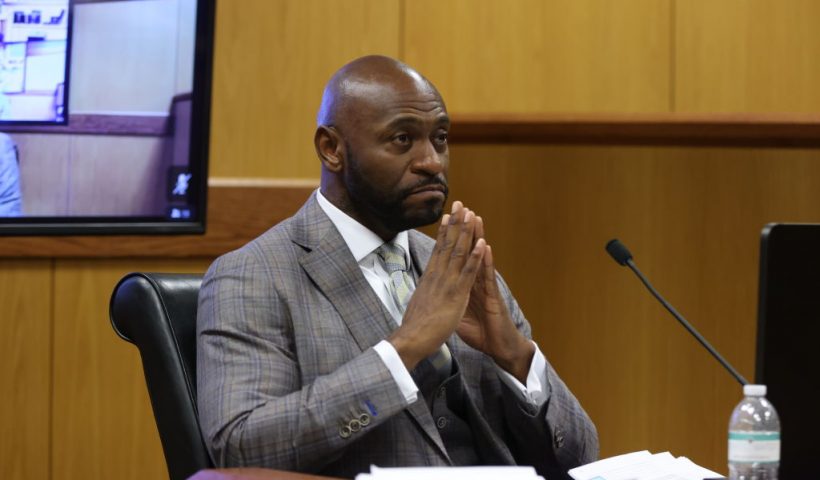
<point x="332" y="267"/>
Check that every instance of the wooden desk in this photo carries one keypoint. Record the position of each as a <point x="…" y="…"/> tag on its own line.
<point x="254" y="474"/>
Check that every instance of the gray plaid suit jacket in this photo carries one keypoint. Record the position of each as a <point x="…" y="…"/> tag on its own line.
<point x="285" y="331"/>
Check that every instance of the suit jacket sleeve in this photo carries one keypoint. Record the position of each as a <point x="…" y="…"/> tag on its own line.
<point x="559" y="435"/>
<point x="254" y="408"/>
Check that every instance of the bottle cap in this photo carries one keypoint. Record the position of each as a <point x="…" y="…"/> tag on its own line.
<point x="754" y="390"/>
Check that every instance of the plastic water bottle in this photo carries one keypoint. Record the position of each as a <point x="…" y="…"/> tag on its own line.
<point x="754" y="437"/>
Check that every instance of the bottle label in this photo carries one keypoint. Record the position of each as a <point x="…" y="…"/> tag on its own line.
<point x="757" y="447"/>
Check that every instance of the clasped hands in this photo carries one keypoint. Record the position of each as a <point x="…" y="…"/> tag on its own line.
<point x="459" y="293"/>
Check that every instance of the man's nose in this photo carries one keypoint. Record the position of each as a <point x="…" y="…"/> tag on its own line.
<point x="430" y="160"/>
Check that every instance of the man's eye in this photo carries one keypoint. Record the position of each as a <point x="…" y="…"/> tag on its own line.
<point x="402" y="139"/>
<point x="441" y="138"/>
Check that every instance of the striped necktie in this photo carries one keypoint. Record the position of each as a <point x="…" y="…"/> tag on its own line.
<point x="395" y="262"/>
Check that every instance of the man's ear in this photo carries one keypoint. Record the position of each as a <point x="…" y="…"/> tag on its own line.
<point x="330" y="148"/>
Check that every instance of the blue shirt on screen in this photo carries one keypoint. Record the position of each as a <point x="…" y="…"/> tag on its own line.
<point x="11" y="200"/>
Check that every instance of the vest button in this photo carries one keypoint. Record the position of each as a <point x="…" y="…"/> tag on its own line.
<point x="345" y="432"/>
<point x="441" y="422"/>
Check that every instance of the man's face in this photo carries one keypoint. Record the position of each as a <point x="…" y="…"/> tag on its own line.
<point x="397" y="158"/>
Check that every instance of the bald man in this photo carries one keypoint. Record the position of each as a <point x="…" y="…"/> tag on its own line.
<point x="342" y="338"/>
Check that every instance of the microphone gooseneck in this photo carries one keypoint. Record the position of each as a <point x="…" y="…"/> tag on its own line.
<point x="621" y="254"/>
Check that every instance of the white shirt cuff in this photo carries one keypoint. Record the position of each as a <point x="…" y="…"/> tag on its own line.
<point x="387" y="352"/>
<point x="537" y="389"/>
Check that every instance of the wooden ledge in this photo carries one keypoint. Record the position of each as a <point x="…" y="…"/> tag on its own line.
<point x="681" y="129"/>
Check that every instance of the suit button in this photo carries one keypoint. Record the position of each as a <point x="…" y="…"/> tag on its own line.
<point x="364" y="419"/>
<point x="441" y="422"/>
<point x="440" y="392"/>
<point x="355" y="425"/>
<point x="345" y="432"/>
<point x="559" y="438"/>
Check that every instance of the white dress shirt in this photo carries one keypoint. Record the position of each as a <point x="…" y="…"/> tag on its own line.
<point x="362" y="244"/>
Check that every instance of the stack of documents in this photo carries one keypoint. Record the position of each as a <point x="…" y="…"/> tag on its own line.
<point x="450" y="473"/>
<point x="643" y="466"/>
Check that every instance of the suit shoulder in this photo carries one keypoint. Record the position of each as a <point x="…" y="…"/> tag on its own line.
<point x="271" y="247"/>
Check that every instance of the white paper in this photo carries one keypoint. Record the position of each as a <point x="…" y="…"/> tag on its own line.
<point x="642" y="466"/>
<point x="450" y="473"/>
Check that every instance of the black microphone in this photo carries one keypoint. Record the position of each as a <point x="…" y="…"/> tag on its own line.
<point x="621" y="254"/>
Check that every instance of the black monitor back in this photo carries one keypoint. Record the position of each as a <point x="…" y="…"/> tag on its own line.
<point x="788" y="340"/>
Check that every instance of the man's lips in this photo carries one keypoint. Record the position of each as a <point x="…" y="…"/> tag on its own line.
<point x="430" y="188"/>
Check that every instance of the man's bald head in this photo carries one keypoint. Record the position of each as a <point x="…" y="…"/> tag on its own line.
<point x="382" y="140"/>
<point x="364" y="81"/>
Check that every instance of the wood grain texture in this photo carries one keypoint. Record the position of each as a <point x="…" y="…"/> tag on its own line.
<point x="692" y="217"/>
<point x="739" y="130"/>
<point x="747" y="56"/>
<point x="103" y="424"/>
<point x="25" y="368"/>
<point x="272" y="59"/>
<point x="534" y="56"/>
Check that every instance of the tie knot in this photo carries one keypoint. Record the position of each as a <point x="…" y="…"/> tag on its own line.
<point x="393" y="257"/>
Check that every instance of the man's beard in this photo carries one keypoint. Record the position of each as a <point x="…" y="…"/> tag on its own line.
<point x="388" y="207"/>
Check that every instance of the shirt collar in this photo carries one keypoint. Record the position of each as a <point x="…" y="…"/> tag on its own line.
<point x="359" y="239"/>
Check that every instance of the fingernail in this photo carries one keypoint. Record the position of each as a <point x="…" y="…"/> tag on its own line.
<point x="469" y="216"/>
<point x="445" y="219"/>
<point x="456" y="206"/>
<point x="479" y="245"/>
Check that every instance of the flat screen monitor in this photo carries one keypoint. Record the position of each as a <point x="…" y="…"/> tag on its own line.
<point x="788" y="340"/>
<point x="128" y="153"/>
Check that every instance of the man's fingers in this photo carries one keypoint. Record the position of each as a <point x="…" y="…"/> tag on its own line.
<point x="447" y="233"/>
<point x="464" y="242"/>
<point x="472" y="266"/>
<point x="490" y="283"/>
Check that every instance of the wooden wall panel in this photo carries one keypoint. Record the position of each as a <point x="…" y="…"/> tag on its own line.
<point x="25" y="368"/>
<point x="535" y="56"/>
<point x="103" y="424"/>
<point x="272" y="60"/>
<point x="692" y="217"/>
<point x="747" y="56"/>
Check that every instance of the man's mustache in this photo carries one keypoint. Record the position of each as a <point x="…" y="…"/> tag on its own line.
<point x="428" y="182"/>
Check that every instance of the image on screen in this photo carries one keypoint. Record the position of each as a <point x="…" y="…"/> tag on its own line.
<point x="128" y="149"/>
<point x="34" y="37"/>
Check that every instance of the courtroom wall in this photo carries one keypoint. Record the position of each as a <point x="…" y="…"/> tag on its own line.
<point x="78" y="407"/>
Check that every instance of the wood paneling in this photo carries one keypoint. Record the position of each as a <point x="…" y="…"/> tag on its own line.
<point x="272" y="60"/>
<point x="25" y="368"/>
<point x="534" y="56"/>
<point x="103" y="424"/>
<point x="748" y="130"/>
<point x="692" y="218"/>
<point x="747" y="56"/>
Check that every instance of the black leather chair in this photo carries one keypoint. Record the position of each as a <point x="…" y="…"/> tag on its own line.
<point x="157" y="313"/>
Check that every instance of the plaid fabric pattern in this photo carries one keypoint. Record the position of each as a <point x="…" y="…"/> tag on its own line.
<point x="284" y="362"/>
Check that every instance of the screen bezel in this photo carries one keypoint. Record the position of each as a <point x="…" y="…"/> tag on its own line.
<point x="198" y="153"/>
